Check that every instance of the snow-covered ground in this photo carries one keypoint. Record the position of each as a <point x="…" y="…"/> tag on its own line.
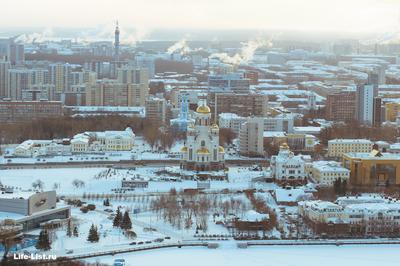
<point x="111" y="238"/>
<point x="61" y="179"/>
<point x="368" y="255"/>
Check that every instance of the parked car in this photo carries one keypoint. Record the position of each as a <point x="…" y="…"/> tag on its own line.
<point x="119" y="262"/>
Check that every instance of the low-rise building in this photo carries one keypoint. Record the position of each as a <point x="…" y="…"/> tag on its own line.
<point x="103" y="141"/>
<point x="290" y="196"/>
<point x="337" y="147"/>
<point x="30" y="209"/>
<point x="34" y="148"/>
<point x="87" y="142"/>
<point x="367" y="215"/>
<point x="373" y="168"/>
<point x="327" y="172"/>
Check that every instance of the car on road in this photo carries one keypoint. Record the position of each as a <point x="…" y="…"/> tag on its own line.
<point x="119" y="262"/>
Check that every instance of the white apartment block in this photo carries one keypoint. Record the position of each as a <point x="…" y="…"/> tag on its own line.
<point x="281" y="122"/>
<point x="251" y="141"/>
<point x="337" y="147"/>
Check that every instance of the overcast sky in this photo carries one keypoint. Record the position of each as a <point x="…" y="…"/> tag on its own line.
<point x="326" y="15"/>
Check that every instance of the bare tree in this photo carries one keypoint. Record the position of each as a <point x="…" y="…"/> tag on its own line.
<point x="38" y="184"/>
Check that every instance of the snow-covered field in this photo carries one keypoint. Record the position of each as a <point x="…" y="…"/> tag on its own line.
<point x="61" y="179"/>
<point x="385" y="255"/>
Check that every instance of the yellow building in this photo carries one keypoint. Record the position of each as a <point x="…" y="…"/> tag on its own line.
<point x="337" y="147"/>
<point x="392" y="109"/>
<point x="373" y="169"/>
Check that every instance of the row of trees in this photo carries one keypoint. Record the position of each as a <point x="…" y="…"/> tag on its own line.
<point x="66" y="126"/>
<point x="184" y="209"/>
<point x="260" y="206"/>
<point x="340" y="186"/>
<point x="358" y="131"/>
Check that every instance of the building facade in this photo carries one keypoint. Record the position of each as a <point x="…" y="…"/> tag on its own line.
<point x="373" y="168"/>
<point x="156" y="110"/>
<point x="341" y="106"/>
<point x="325" y="173"/>
<point x="337" y="147"/>
<point x="240" y="104"/>
<point x="108" y="141"/>
<point x="23" y="111"/>
<point x="251" y="142"/>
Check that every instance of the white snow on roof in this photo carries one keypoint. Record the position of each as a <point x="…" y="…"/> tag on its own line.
<point x="253" y="216"/>
<point x="289" y="195"/>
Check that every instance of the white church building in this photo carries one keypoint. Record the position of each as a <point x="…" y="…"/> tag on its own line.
<point x="287" y="167"/>
<point x="202" y="151"/>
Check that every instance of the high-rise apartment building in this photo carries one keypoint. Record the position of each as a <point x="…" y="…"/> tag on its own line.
<point x="4" y="67"/>
<point x="341" y="106"/>
<point x="60" y="76"/>
<point x="251" y="137"/>
<point x="240" y="104"/>
<point x="19" y="81"/>
<point x="156" y="110"/>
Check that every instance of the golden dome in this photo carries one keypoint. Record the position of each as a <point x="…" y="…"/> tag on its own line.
<point x="221" y="149"/>
<point x="203" y="109"/>
<point x="184" y="149"/>
<point x="203" y="151"/>
<point x="285" y="145"/>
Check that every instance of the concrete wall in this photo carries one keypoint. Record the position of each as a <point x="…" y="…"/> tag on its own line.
<point x="42" y="201"/>
<point x="16" y="205"/>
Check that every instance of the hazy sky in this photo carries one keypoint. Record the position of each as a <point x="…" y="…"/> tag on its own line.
<point x="327" y="15"/>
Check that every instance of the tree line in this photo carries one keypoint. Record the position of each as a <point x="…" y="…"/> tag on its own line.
<point x="355" y="130"/>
